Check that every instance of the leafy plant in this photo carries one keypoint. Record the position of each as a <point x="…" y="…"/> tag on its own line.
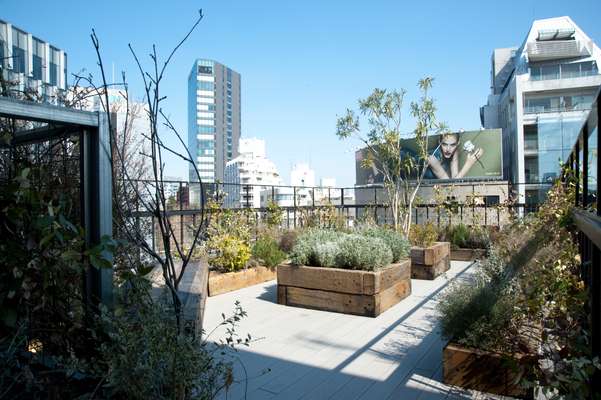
<point x="230" y="253"/>
<point x="327" y="248"/>
<point x="398" y="244"/>
<point x="273" y="215"/>
<point x="43" y="306"/>
<point x="529" y="297"/>
<point x="423" y="235"/>
<point x="361" y="252"/>
<point x="303" y="252"/>
<point x="266" y="250"/>
<point x="401" y="173"/>
<point x="462" y="236"/>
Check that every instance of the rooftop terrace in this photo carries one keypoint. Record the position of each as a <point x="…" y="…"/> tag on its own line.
<point x="299" y="353"/>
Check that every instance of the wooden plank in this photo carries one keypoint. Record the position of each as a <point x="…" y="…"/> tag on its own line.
<point x="226" y="282"/>
<point x="481" y="370"/>
<point x="391" y="296"/>
<point x="430" y="272"/>
<point x="430" y="255"/>
<point x="282" y="294"/>
<point x="467" y="254"/>
<point x="355" y="304"/>
<point x="386" y="277"/>
<point x="332" y="279"/>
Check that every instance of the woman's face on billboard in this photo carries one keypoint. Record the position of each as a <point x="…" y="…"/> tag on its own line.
<point x="449" y="145"/>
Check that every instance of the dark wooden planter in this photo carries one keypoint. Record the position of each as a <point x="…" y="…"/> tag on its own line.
<point x="345" y="291"/>
<point x="467" y="254"/>
<point x="483" y="371"/>
<point x="223" y="282"/>
<point x="430" y="262"/>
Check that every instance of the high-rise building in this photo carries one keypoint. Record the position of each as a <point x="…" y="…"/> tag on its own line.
<point x="31" y="64"/>
<point x="540" y="95"/>
<point x="251" y="167"/>
<point x="213" y="118"/>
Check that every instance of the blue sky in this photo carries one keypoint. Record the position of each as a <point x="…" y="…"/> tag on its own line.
<point x="304" y="63"/>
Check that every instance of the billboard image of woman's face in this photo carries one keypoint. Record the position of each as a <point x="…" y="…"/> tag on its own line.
<point x="456" y="155"/>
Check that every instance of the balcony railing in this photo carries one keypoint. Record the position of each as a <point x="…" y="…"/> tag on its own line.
<point x="584" y="166"/>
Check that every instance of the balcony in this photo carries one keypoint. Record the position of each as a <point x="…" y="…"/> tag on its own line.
<point x="557" y="49"/>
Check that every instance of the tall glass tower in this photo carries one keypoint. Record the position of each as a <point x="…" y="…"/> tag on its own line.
<point x="213" y="118"/>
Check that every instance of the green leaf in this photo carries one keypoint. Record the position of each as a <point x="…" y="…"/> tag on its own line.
<point x="8" y="316"/>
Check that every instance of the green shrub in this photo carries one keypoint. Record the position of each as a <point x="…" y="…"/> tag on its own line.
<point x="328" y="248"/>
<point x="230" y="253"/>
<point x="148" y="358"/>
<point x="267" y="251"/>
<point x="326" y="254"/>
<point x="459" y="236"/>
<point x="399" y="246"/>
<point x="361" y="252"/>
<point x="481" y="313"/>
<point x="303" y="252"/>
<point x="423" y="235"/>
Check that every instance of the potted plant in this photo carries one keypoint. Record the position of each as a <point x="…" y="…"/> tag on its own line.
<point x="364" y="272"/>
<point x="429" y="258"/>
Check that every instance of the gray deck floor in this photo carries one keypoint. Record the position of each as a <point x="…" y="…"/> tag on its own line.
<point x="307" y="354"/>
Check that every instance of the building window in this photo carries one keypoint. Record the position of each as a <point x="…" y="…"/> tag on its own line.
<point x="203" y="69"/>
<point x="563" y="71"/>
<point x="206" y="129"/>
<point x="19" y="51"/>
<point x="54" y="61"/>
<point x="202" y="85"/>
<point x="38" y="56"/>
<point x="558" y="103"/>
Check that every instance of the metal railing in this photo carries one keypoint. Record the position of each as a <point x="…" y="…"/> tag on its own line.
<point x="584" y="164"/>
<point x="468" y="202"/>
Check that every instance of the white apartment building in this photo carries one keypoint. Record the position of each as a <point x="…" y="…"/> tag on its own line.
<point x="540" y="95"/>
<point x="252" y="168"/>
<point x="31" y="63"/>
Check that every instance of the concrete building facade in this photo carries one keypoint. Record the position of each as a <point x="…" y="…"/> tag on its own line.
<point x="31" y="63"/>
<point x="214" y="118"/>
<point x="540" y="95"/>
<point x="251" y="167"/>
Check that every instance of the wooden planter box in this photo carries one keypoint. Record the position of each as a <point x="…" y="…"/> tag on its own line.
<point x="483" y="371"/>
<point x="346" y="291"/>
<point x="223" y="282"/>
<point x="467" y="254"/>
<point x="430" y="262"/>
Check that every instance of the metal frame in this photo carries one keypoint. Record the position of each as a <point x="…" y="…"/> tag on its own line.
<point x="588" y="223"/>
<point x="95" y="174"/>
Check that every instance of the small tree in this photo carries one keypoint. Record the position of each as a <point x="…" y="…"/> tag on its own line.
<point x="402" y="172"/>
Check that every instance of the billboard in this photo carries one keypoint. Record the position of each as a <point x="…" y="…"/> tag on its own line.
<point x="472" y="155"/>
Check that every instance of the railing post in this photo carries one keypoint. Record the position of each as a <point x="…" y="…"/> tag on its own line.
<point x="585" y="166"/>
<point x="294" y="195"/>
<point x="577" y="170"/>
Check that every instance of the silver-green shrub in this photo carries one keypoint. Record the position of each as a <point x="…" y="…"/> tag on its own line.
<point x="362" y="252"/>
<point x="397" y="243"/>
<point x="304" y="251"/>
<point x="326" y="254"/>
<point x="328" y="248"/>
